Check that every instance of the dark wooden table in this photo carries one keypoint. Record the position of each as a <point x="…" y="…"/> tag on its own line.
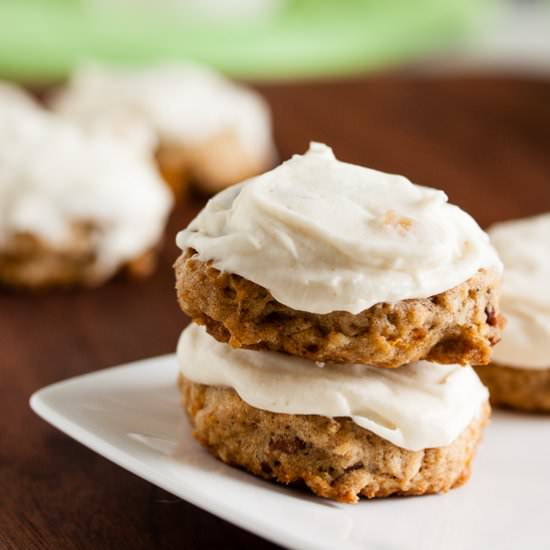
<point x="486" y="141"/>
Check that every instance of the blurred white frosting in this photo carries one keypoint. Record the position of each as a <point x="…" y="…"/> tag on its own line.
<point x="524" y="247"/>
<point x="183" y="104"/>
<point x="13" y="97"/>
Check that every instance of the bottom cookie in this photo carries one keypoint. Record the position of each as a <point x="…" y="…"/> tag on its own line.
<point x="334" y="457"/>
<point x="522" y="389"/>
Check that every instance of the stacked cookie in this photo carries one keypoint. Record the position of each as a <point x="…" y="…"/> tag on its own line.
<point x="519" y="376"/>
<point x="327" y="287"/>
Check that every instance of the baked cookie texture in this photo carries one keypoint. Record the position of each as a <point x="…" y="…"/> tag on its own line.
<point x="26" y="262"/>
<point x="173" y="167"/>
<point x="210" y="166"/>
<point x="334" y="457"/>
<point x="517" y="388"/>
<point x="457" y="326"/>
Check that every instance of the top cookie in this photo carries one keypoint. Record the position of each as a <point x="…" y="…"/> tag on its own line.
<point x="336" y="262"/>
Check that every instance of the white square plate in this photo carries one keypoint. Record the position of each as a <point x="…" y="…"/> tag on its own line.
<point x="131" y="415"/>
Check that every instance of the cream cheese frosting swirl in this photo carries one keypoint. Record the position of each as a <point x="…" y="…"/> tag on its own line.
<point x="524" y="246"/>
<point x="53" y="175"/>
<point x="418" y="406"/>
<point x="323" y="235"/>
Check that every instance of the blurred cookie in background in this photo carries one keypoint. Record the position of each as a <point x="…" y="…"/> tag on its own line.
<point x="76" y="207"/>
<point x="519" y="376"/>
<point x="199" y="126"/>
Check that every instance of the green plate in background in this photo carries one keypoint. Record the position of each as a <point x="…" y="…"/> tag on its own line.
<point x="43" y="40"/>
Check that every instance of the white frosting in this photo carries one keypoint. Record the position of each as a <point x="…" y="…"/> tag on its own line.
<point x="52" y="175"/>
<point x="182" y="103"/>
<point x="15" y="98"/>
<point x="524" y="246"/>
<point x="323" y="235"/>
<point x="418" y="406"/>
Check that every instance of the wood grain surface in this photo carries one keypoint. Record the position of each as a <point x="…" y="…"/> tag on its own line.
<point x="484" y="140"/>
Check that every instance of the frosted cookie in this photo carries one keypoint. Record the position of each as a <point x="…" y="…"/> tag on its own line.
<point x="345" y="432"/>
<point x="198" y="125"/>
<point x="336" y="262"/>
<point x="75" y="208"/>
<point x="520" y="374"/>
